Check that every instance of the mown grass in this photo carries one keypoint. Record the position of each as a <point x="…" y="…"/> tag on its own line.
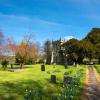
<point x="14" y="84"/>
<point x="97" y="68"/>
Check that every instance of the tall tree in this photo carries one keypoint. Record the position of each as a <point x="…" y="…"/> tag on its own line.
<point x="5" y="52"/>
<point x="88" y="49"/>
<point x="94" y="37"/>
<point x="72" y="48"/>
<point x="25" y="50"/>
<point x="78" y="50"/>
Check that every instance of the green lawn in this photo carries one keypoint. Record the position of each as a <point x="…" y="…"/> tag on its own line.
<point x="97" y="68"/>
<point x="14" y="84"/>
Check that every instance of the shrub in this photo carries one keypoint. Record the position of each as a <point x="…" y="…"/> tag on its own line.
<point x="4" y="64"/>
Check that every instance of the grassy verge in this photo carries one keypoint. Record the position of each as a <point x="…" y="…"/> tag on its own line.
<point x="73" y="90"/>
<point x="97" y="68"/>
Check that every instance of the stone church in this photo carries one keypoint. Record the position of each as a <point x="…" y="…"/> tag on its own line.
<point x="58" y="55"/>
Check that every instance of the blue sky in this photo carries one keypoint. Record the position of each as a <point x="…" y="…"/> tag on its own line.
<point x="49" y="19"/>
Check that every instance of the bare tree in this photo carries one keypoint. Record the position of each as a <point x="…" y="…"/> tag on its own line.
<point x="25" y="50"/>
<point x="4" y="52"/>
<point x="1" y="37"/>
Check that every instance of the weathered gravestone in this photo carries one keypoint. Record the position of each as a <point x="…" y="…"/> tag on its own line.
<point x="53" y="78"/>
<point x="11" y="66"/>
<point x="11" y="70"/>
<point x="67" y="79"/>
<point x="54" y="65"/>
<point x="42" y="67"/>
<point x="65" y="65"/>
<point x="75" y="64"/>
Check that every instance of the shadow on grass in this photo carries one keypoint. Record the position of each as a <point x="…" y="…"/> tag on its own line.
<point x="16" y="67"/>
<point x="24" y="67"/>
<point x="16" y="90"/>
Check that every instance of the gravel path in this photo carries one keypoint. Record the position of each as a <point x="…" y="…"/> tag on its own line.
<point x="92" y="88"/>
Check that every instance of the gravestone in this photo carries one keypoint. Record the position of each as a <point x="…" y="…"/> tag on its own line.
<point x="65" y="66"/>
<point x="11" y="70"/>
<point x="42" y="67"/>
<point x="75" y="64"/>
<point x="67" y="79"/>
<point x="11" y="66"/>
<point x="53" y="78"/>
<point x="54" y="65"/>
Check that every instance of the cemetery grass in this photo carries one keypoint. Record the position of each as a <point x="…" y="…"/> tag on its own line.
<point x="97" y="68"/>
<point x="14" y="84"/>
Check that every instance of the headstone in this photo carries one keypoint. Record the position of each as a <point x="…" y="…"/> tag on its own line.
<point x="78" y="65"/>
<point x="75" y="64"/>
<point x="2" y="66"/>
<point x="11" y="66"/>
<point x="11" y="70"/>
<point x="65" y="66"/>
<point x="67" y="79"/>
<point x="42" y="67"/>
<point x="53" y="78"/>
<point x="54" y="65"/>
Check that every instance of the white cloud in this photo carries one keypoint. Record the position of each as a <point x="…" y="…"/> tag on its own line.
<point x="31" y="19"/>
<point x="16" y="17"/>
<point x="66" y="38"/>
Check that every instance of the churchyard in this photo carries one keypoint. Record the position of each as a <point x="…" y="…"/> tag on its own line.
<point x="31" y="83"/>
<point x="60" y="70"/>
